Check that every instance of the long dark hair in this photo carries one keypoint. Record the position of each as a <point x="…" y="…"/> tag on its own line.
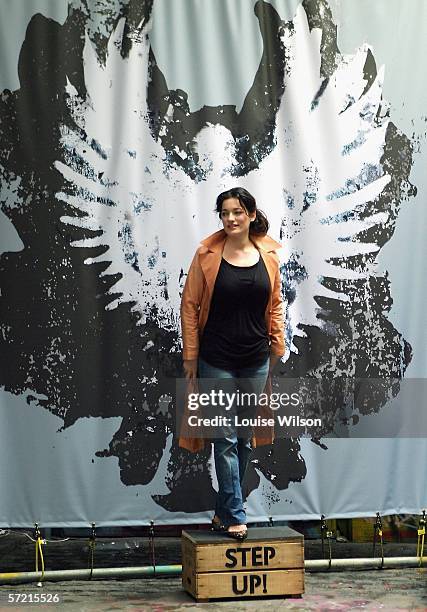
<point x="247" y="201"/>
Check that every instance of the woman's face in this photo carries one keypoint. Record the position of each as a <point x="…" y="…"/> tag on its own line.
<point x="235" y="219"/>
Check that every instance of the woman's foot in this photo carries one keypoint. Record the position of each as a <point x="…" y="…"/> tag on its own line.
<point x="238" y="532"/>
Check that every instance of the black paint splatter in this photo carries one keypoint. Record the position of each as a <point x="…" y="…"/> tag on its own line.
<point x="56" y="336"/>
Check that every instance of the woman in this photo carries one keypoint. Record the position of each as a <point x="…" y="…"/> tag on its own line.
<point x="233" y="327"/>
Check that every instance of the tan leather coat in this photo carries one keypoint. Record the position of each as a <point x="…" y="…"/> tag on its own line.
<point x="195" y="304"/>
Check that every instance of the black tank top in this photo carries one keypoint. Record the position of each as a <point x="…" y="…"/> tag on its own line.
<point x="235" y="334"/>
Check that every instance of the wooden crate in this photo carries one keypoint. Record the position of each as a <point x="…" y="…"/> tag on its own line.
<point x="269" y="562"/>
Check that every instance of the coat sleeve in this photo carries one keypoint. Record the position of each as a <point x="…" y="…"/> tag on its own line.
<point x="277" y="334"/>
<point x="190" y="307"/>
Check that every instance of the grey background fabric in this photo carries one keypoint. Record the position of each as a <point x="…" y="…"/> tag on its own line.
<point x="212" y="51"/>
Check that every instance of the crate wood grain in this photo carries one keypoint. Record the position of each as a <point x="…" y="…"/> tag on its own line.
<point x="269" y="562"/>
<point x="231" y="555"/>
<point x="216" y="585"/>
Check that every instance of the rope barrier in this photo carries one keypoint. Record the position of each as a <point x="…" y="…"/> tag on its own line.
<point x="92" y="543"/>
<point x="152" y="548"/>
<point x="27" y="535"/>
<point x="421" y="538"/>
<point x="39" y="551"/>
<point x="378" y="534"/>
<point x="326" y="534"/>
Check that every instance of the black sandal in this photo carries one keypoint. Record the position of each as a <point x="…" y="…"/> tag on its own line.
<point x="217" y="525"/>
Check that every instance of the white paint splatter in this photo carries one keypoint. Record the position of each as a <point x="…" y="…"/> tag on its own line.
<point x="316" y="186"/>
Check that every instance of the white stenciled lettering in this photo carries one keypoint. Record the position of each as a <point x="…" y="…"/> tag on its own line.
<point x="253" y="422"/>
<point x="297" y="421"/>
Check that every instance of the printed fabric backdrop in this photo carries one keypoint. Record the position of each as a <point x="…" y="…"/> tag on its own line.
<point x="120" y="122"/>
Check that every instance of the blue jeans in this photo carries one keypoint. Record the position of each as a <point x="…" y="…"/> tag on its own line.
<point x="231" y="453"/>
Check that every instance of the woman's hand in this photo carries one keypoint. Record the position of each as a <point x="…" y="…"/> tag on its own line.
<point x="190" y="368"/>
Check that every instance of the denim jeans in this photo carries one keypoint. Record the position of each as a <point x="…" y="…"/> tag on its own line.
<point x="231" y="453"/>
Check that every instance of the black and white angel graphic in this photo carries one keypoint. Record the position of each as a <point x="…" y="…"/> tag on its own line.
<point x="136" y="174"/>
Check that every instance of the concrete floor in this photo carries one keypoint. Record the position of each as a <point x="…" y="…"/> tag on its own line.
<point x="368" y="590"/>
<point x="388" y="589"/>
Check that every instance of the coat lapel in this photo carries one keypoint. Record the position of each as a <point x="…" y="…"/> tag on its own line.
<point x="210" y="263"/>
<point x="268" y="264"/>
<point x="210" y="257"/>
